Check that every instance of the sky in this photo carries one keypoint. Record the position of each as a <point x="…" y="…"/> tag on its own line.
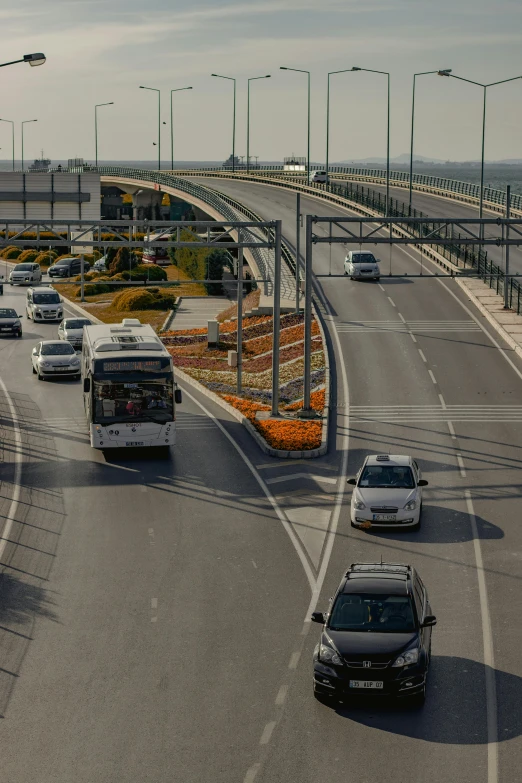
<point x="99" y="51"/>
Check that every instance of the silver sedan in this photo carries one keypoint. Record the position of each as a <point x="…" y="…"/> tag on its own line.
<point x="52" y="358"/>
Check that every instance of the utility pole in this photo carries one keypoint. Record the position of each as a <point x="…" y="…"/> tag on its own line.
<point x="506" y="275"/>
<point x="277" y="318"/>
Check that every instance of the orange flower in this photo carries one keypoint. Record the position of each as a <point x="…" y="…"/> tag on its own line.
<point x="317" y="402"/>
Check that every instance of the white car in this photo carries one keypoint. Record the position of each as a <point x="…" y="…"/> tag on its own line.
<point x="71" y="330"/>
<point x="318" y="176"/>
<point x="361" y="265"/>
<point x="100" y="265"/>
<point x="25" y="274"/>
<point x="387" y="492"/>
<point x="52" y="358"/>
<point x="44" y="303"/>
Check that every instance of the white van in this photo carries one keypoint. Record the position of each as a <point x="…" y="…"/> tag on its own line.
<point x="319" y="176"/>
<point x="44" y="303"/>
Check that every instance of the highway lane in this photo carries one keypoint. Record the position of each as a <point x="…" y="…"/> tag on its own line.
<point x="140" y="599"/>
<point x="467" y="437"/>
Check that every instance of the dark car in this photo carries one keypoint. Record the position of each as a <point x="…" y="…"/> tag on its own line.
<point x="10" y="322"/>
<point x="376" y="637"/>
<point x="68" y="267"/>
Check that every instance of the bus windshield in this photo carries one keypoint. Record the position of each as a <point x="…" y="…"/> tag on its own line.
<point x="150" y="399"/>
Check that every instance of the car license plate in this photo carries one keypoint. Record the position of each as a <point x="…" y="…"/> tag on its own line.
<point x="134" y="443"/>
<point x="5" y="329"/>
<point x="375" y="684"/>
<point x="384" y="518"/>
<point x="62" y="369"/>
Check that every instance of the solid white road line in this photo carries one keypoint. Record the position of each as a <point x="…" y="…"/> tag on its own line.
<point x="292" y="476"/>
<point x="281" y="516"/>
<point x="489" y="657"/>
<point x="13" y="507"/>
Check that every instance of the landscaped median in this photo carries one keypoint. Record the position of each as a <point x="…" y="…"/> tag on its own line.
<point x="286" y="435"/>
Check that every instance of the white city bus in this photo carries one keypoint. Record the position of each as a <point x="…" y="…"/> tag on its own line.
<point x="129" y="391"/>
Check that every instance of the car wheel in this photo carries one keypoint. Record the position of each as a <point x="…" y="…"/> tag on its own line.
<point x="40" y="377"/>
<point x="19" y="334"/>
<point x="34" y="371"/>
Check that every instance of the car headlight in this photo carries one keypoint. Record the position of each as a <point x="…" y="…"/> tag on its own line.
<point x="328" y="655"/>
<point x="17" y="323"/>
<point x="75" y="360"/>
<point x="411" y="506"/>
<point x="46" y="364"/>
<point x="359" y="505"/>
<point x="407" y="658"/>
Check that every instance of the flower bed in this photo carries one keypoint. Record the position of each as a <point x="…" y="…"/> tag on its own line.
<point x="317" y="402"/>
<point x="295" y="435"/>
<point x="262" y="380"/>
<point x="259" y="364"/>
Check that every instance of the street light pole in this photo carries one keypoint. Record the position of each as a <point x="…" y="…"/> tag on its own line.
<point x="385" y="73"/>
<point x="154" y="89"/>
<point x="299" y="70"/>
<point x="422" y="73"/>
<point x="13" y="138"/>
<point x="484" y="86"/>
<point x="179" y="89"/>
<point x="252" y="79"/>
<point x="33" y="59"/>
<point x="24" y="122"/>
<point x="346" y="70"/>
<point x="231" y="79"/>
<point x="111" y="103"/>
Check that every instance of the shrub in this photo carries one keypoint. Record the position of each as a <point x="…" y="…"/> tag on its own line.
<point x="145" y="272"/>
<point x="123" y="261"/>
<point x="12" y="253"/>
<point x="46" y="257"/>
<point x="91" y="289"/>
<point x="193" y="261"/>
<point x="28" y="255"/>
<point x="5" y="250"/>
<point x="143" y="299"/>
<point x="217" y="260"/>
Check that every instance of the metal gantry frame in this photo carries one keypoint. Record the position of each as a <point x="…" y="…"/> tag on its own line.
<point x="88" y="233"/>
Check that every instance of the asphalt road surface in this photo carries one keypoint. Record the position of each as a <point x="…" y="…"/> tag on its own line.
<point x="152" y="612"/>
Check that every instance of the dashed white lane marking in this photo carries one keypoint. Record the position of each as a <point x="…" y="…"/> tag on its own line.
<point x="432" y="376"/>
<point x="292" y="476"/>
<point x="294" y="660"/>
<point x="254" y="563"/>
<point x="403" y="319"/>
<point x="380" y="286"/>
<point x="281" y="695"/>
<point x="13" y="507"/>
<point x="422" y="356"/>
<point x="153" y="603"/>
<point x="252" y="772"/>
<point x="489" y="657"/>
<point x="461" y="465"/>
<point x="391" y="302"/>
<point x="442" y="403"/>
<point x="413" y="337"/>
<point x="267" y="733"/>
<point x="151" y="535"/>
<point x="452" y="430"/>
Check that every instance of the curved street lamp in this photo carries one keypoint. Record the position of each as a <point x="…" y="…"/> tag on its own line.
<point x="231" y="79"/>
<point x="13" y="138"/>
<point x="154" y="89"/>
<point x="179" y="89"/>
<point x="298" y="70"/>
<point x="24" y="122"/>
<point x="385" y="73"/>
<point x="33" y="59"/>
<point x="252" y="79"/>
<point x="111" y="103"/>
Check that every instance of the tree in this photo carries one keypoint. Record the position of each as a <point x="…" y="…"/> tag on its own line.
<point x="192" y="261"/>
<point x="217" y="260"/>
<point x="123" y="261"/>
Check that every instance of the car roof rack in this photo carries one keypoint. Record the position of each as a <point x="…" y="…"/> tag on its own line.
<point x="390" y="568"/>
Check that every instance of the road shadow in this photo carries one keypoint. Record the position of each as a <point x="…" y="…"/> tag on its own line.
<point x="455" y="708"/>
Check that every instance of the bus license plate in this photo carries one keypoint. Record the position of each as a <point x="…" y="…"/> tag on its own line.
<point x="366" y="684"/>
<point x="134" y="443"/>
<point x="384" y="518"/>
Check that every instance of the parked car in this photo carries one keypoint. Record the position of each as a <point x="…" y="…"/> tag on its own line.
<point x="387" y="492"/>
<point x="100" y="265"/>
<point x="71" y="330"/>
<point x="10" y="322"/>
<point x="69" y="267"/>
<point x="44" y="304"/>
<point x="318" y="176"/>
<point x="362" y="264"/>
<point x="376" y="636"/>
<point x="25" y="273"/>
<point x="52" y="358"/>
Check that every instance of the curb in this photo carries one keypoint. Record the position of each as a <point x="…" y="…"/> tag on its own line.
<point x="491" y="319"/>
<point x="81" y="311"/>
<point x="170" y="316"/>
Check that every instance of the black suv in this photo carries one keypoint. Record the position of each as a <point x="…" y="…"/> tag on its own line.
<point x="69" y="267"/>
<point x="376" y="638"/>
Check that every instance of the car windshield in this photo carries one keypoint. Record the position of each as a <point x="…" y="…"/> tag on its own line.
<point x="57" y="349"/>
<point x="363" y="258"/>
<point x="367" y="612"/>
<point x="76" y="323"/>
<point x="64" y="262"/>
<point x="23" y="268"/>
<point x="396" y="476"/>
<point x="50" y="298"/>
<point x="6" y="312"/>
<point x="147" y="400"/>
